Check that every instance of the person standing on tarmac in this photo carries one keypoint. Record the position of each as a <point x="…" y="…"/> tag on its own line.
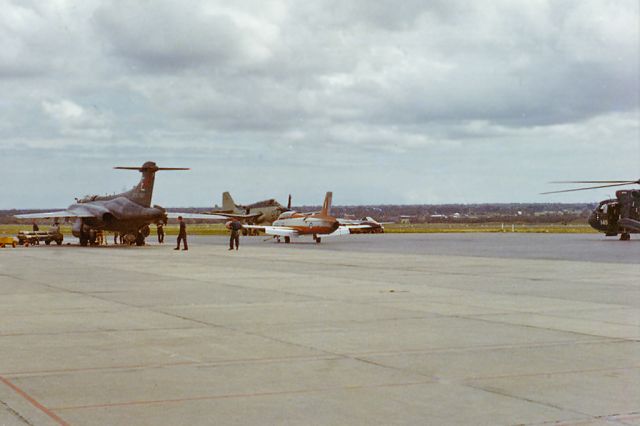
<point x="182" y="235"/>
<point x="160" y="229"/>
<point x="36" y="229"/>
<point x="235" y="226"/>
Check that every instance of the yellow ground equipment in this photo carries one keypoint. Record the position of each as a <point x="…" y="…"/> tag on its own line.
<point x="7" y="241"/>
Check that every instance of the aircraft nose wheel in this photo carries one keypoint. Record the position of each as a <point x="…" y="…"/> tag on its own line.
<point x="625" y="236"/>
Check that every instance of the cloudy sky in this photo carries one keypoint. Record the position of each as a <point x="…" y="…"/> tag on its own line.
<point x="413" y="101"/>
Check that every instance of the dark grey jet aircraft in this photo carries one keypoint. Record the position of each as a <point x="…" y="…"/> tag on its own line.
<point x="129" y="213"/>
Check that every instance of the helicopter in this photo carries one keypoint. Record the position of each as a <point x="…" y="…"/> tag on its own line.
<point x="620" y="215"/>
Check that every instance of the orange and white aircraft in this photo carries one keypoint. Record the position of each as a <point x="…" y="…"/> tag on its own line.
<point x="293" y="224"/>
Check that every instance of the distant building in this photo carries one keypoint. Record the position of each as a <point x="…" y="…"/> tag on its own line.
<point x="405" y="219"/>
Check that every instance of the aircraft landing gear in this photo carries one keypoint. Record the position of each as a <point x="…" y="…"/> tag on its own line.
<point x="317" y="239"/>
<point x="625" y="236"/>
<point x="287" y="240"/>
<point x="139" y="239"/>
<point x="84" y="237"/>
<point x="130" y="238"/>
<point x="93" y="237"/>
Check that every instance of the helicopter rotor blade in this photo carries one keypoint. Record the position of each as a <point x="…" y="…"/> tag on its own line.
<point x="154" y="168"/>
<point x="621" y="182"/>
<point x="589" y="187"/>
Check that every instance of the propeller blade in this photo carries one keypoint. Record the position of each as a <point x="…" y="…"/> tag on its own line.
<point x="289" y="203"/>
<point x="173" y="168"/>
<point x="127" y="168"/>
<point x="590" y="187"/>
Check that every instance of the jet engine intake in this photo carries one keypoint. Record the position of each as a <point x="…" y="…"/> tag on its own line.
<point x="108" y="219"/>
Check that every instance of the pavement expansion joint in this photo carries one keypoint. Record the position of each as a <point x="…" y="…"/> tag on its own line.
<point x="389" y="330"/>
<point x="15" y="413"/>
<point x="239" y="396"/>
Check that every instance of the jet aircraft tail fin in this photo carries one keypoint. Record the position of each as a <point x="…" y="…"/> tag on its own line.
<point x="143" y="191"/>
<point x="326" y="206"/>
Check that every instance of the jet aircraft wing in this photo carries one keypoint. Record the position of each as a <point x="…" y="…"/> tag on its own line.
<point x="367" y="221"/>
<point x="341" y="230"/>
<point x="205" y="216"/>
<point x="357" y="226"/>
<point x="280" y="231"/>
<point x="346" y="230"/>
<point x="239" y="216"/>
<point x="59" y="214"/>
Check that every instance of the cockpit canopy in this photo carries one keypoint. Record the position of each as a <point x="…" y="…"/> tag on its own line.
<point x="605" y="205"/>
<point x="286" y="215"/>
<point x="87" y="198"/>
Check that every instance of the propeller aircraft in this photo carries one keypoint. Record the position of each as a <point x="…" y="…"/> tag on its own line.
<point x="262" y="212"/>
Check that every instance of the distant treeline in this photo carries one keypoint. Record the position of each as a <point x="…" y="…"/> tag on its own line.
<point x="468" y="213"/>
<point x="420" y="213"/>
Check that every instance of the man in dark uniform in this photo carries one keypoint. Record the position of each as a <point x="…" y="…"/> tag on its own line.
<point x="182" y="235"/>
<point x="160" y="229"/>
<point x="36" y="229"/>
<point x="235" y="226"/>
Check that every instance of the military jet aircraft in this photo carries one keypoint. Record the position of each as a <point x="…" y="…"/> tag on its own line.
<point x="129" y="213"/>
<point x="293" y="224"/>
<point x="262" y="212"/>
<point x="374" y="227"/>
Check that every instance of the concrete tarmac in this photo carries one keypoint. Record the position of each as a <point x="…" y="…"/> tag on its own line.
<point x="373" y="329"/>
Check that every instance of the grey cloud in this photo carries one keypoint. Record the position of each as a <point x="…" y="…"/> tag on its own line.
<point x="165" y="36"/>
<point x="398" y="90"/>
<point x="40" y="40"/>
<point x="510" y="64"/>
